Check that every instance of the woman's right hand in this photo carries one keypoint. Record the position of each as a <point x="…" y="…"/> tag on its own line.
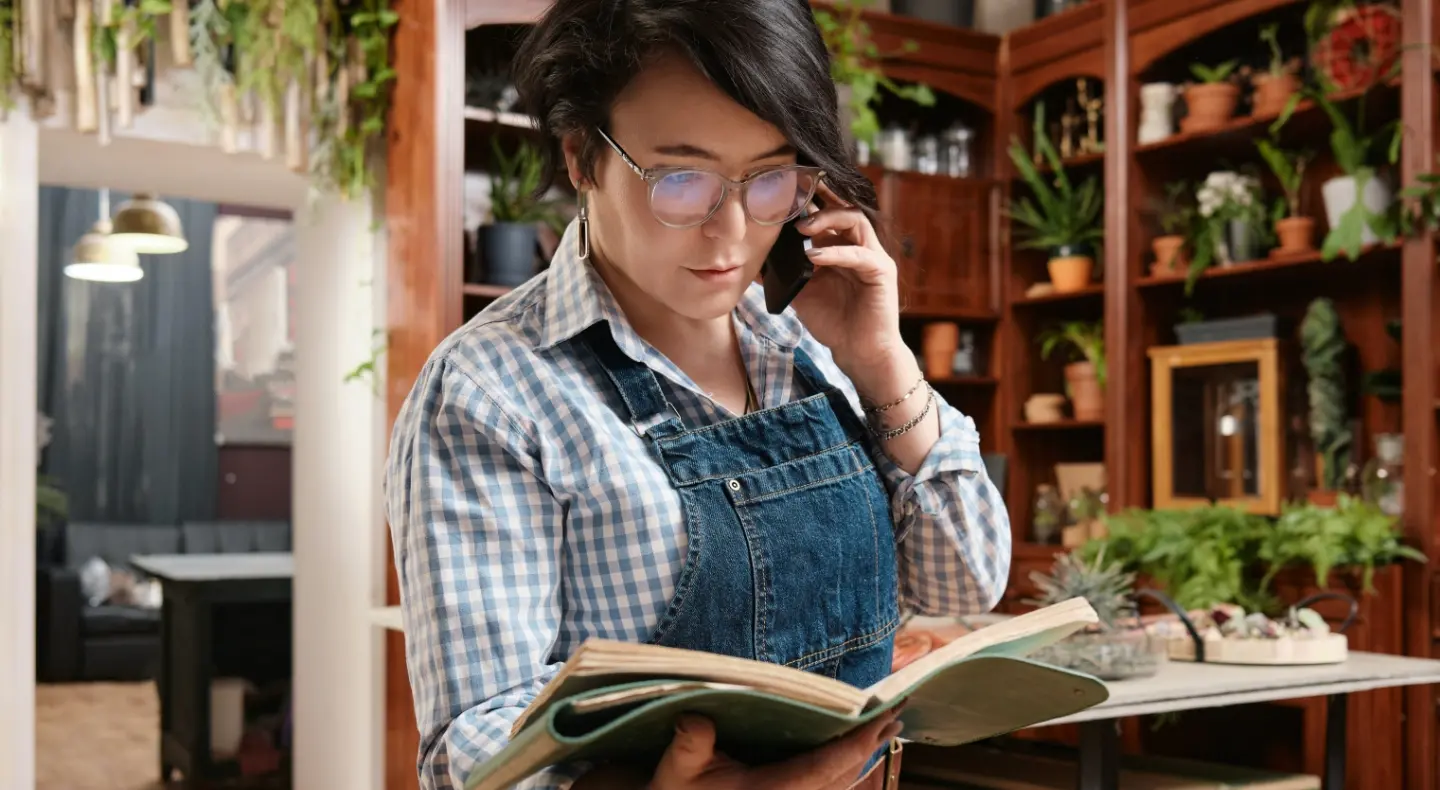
<point x="691" y="762"/>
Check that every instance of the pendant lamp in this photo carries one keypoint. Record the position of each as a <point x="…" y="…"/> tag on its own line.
<point x="98" y="258"/>
<point x="149" y="225"/>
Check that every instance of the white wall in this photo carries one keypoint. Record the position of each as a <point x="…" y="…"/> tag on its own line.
<point x="339" y="438"/>
<point x="18" y="249"/>
<point x="340" y="441"/>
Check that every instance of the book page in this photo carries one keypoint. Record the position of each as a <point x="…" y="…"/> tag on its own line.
<point x="1028" y="632"/>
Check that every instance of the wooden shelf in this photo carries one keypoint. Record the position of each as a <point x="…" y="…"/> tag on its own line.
<point x="1248" y="125"/>
<point x="485" y="290"/>
<point x="965" y="381"/>
<point x="1073" y="163"/>
<point x="1028" y="550"/>
<point x="963" y="315"/>
<point x="1088" y="292"/>
<point x="1293" y="265"/>
<point x="1062" y="425"/>
<point x="514" y="120"/>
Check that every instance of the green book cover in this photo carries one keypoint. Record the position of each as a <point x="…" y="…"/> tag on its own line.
<point x="619" y="701"/>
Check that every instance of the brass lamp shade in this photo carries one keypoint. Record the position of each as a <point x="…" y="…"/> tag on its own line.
<point x="149" y="225"/>
<point x="98" y="258"/>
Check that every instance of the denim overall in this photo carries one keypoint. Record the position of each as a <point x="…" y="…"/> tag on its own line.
<point x="791" y="555"/>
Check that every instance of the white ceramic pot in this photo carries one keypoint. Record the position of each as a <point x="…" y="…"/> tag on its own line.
<point x="1157" y="119"/>
<point x="1340" y="197"/>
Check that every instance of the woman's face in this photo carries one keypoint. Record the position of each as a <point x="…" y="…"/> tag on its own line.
<point x="672" y="116"/>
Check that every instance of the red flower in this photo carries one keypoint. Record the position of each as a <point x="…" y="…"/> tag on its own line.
<point x="1360" y="48"/>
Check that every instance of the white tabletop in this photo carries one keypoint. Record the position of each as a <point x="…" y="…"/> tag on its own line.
<point x="1185" y="685"/>
<point x="217" y="567"/>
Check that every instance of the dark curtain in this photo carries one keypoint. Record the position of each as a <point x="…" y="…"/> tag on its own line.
<point x="127" y="372"/>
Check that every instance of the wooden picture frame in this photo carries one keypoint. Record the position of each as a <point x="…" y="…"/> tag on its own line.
<point x="1269" y="434"/>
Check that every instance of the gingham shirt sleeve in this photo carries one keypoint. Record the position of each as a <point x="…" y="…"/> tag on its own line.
<point x="953" y="525"/>
<point x="478" y="539"/>
<point x="950" y="520"/>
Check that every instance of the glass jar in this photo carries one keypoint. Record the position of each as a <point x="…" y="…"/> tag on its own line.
<point x="957" y="152"/>
<point x="927" y="155"/>
<point x="895" y="148"/>
<point x="1049" y="514"/>
<point x="1383" y="480"/>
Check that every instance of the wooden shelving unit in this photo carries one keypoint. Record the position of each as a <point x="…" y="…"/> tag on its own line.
<point x="960" y="263"/>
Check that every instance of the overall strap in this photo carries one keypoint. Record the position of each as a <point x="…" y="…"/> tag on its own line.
<point x="648" y="409"/>
<point x="844" y="411"/>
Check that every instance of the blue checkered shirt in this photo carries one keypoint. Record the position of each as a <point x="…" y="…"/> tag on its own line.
<point x="528" y="515"/>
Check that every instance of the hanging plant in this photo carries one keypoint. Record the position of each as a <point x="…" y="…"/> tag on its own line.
<point x="7" y="55"/>
<point x="140" y="16"/>
<point x="358" y="121"/>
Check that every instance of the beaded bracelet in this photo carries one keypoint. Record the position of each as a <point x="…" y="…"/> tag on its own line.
<point x="910" y="424"/>
<point x="873" y="409"/>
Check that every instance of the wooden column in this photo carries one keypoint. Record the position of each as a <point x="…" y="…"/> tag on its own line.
<point x="423" y="212"/>
<point x="1419" y="349"/>
<point x="1127" y="389"/>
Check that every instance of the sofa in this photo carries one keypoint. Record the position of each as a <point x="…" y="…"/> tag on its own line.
<point x="76" y="640"/>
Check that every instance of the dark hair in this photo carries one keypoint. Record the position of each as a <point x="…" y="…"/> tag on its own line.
<point x="767" y="55"/>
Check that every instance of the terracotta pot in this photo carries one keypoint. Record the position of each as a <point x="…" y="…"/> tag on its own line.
<point x="1211" y="106"/>
<point x="1320" y="497"/>
<point x="1297" y="235"/>
<point x="1272" y="93"/>
<point x="1086" y="394"/>
<point x="938" y="344"/>
<point x="1170" y="260"/>
<point x="1071" y="272"/>
<point x="1045" y="407"/>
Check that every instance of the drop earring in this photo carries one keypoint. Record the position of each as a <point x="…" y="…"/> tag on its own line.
<point x="582" y="232"/>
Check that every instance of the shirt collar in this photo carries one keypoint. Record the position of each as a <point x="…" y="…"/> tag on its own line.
<point x="577" y="298"/>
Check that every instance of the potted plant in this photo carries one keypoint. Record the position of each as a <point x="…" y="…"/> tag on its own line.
<point x="511" y="239"/>
<point x="1115" y="648"/>
<point x="853" y="66"/>
<point x="1275" y="85"/>
<point x="1085" y="377"/>
<point x="1352" y="533"/>
<point x="1323" y="350"/>
<point x="1295" y="231"/>
<point x="1420" y="205"/>
<point x="1211" y="102"/>
<point x="1357" y="204"/>
<point x="1062" y="218"/>
<point x="1177" y="213"/>
<point x="1232" y="204"/>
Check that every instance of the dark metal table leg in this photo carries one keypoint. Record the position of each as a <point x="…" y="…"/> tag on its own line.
<point x="1100" y="755"/>
<point x="1335" y="718"/>
<point x="163" y="681"/>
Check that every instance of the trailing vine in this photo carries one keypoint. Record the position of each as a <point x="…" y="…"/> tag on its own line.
<point x="7" y="54"/>
<point x="142" y="16"/>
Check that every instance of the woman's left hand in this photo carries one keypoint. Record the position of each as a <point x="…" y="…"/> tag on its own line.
<point x="852" y="302"/>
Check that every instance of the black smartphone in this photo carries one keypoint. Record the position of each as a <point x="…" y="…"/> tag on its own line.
<point x="787" y="268"/>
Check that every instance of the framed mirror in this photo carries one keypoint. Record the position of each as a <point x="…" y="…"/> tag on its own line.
<point x="1217" y="432"/>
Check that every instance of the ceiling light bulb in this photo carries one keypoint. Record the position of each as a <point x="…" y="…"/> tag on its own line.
<point x="97" y="258"/>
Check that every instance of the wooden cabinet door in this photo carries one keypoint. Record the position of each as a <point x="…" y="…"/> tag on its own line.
<point x="944" y="241"/>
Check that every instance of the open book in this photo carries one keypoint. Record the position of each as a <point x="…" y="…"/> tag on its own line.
<point x="619" y="700"/>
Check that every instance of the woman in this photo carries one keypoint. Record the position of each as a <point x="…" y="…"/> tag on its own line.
<point x="631" y="447"/>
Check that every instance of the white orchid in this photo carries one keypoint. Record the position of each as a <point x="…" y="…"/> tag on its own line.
<point x="1227" y="193"/>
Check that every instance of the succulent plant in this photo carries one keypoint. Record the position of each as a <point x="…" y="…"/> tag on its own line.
<point x="1106" y="585"/>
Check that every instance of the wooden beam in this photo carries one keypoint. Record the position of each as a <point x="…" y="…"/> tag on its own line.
<point x="1418" y="402"/>
<point x="423" y="200"/>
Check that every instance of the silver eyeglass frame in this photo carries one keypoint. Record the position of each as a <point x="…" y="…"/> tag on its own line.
<point x="653" y="175"/>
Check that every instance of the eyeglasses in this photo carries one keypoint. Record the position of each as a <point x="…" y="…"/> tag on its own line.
<point x="683" y="197"/>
